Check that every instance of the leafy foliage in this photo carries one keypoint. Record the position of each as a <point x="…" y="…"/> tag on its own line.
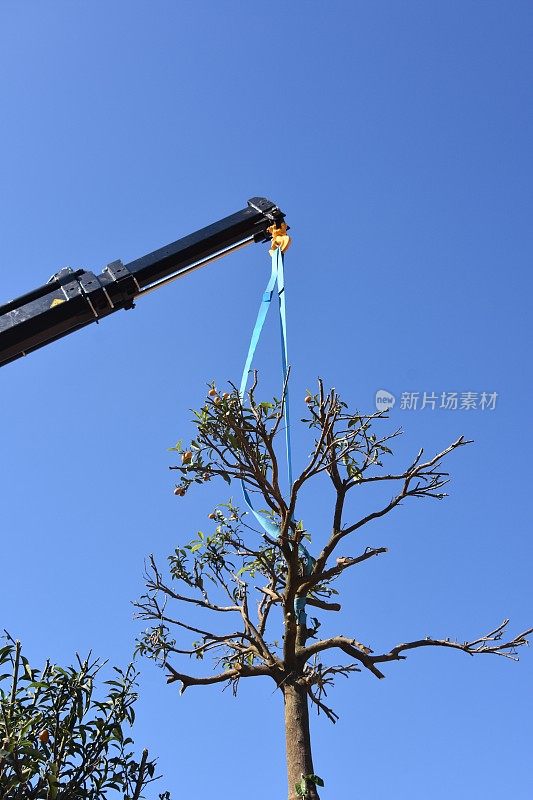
<point x="304" y="784"/>
<point x="58" y="741"/>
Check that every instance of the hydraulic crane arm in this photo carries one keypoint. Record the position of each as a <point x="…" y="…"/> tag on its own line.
<point x="74" y="298"/>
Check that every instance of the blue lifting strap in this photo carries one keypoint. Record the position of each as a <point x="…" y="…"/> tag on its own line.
<point x="270" y="527"/>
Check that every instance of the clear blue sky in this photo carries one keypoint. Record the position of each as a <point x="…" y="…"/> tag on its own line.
<point x="397" y="138"/>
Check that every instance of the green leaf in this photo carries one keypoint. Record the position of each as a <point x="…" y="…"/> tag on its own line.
<point x="315" y="779"/>
<point x="27" y="669"/>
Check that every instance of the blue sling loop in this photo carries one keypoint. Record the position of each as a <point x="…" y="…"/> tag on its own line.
<point x="276" y="278"/>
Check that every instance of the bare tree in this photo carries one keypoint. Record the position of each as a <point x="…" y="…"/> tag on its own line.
<point x="237" y="576"/>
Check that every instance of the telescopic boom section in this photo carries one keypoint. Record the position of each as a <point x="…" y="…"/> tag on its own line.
<point x="74" y="298"/>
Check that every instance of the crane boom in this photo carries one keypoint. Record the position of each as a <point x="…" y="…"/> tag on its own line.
<point x="72" y="299"/>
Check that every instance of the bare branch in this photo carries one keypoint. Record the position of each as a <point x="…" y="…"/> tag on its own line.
<point x="156" y="584"/>
<point x="343" y="563"/>
<point x="141" y="778"/>
<point x="427" y="481"/>
<point x="315" y="698"/>
<point x="490" y="643"/>
<point x="349" y="646"/>
<point x="311" y="601"/>
<point x="228" y="675"/>
<point x="317" y="677"/>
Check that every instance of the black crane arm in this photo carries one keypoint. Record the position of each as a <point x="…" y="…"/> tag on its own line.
<point x="74" y="298"/>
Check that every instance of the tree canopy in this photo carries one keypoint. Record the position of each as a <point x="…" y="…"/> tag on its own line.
<point x="222" y="589"/>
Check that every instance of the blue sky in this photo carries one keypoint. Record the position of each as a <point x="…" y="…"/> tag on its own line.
<point x="397" y="138"/>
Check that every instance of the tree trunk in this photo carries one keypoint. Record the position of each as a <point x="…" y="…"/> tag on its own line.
<point x="298" y="739"/>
